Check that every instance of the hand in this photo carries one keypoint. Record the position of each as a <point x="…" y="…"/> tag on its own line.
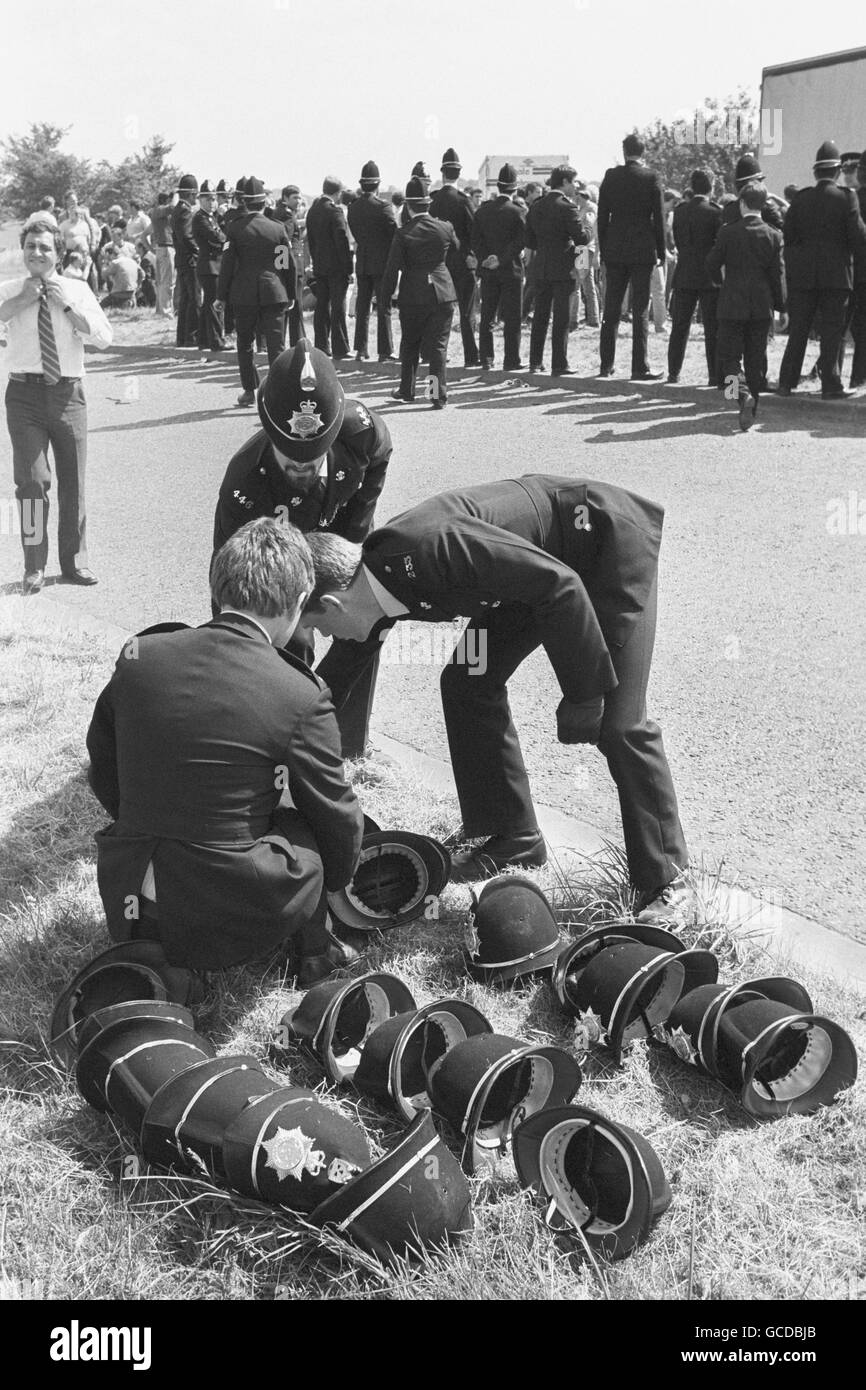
<point x="54" y="293"/>
<point x="579" y="723"/>
<point x="219" y="303"/>
<point x="471" y="261"/>
<point x="490" y="263"/>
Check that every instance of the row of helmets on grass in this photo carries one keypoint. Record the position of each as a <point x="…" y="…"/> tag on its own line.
<point x="625" y="981"/>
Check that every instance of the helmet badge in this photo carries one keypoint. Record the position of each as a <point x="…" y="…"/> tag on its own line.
<point x="308" y="374"/>
<point x="305" y="422"/>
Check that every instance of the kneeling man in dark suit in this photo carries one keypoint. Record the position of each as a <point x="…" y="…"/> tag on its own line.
<point x="196" y="744"/>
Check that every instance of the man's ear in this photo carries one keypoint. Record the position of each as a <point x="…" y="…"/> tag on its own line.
<point x="332" y="600"/>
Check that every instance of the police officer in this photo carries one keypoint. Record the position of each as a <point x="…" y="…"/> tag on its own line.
<point x="287" y="211"/>
<point x="419" y="171"/>
<point x="185" y="256"/>
<point x="427" y="294"/>
<point x="747" y="170"/>
<point x="553" y="231"/>
<point x="319" y="463"/>
<point x="331" y="255"/>
<point x="498" y="238"/>
<point x="696" y="224"/>
<point x="210" y="240"/>
<point x="566" y="564"/>
<point x="450" y="205"/>
<point x="823" y="231"/>
<point x="372" y="224"/>
<point x="257" y="277"/>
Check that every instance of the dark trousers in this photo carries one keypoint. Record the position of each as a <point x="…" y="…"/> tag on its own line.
<point x="558" y="294"/>
<point x="466" y="290"/>
<point x="855" y="323"/>
<point x="187" y="305"/>
<point x="38" y="416"/>
<point x="210" y="321"/>
<point x="503" y="297"/>
<point x="424" y="335"/>
<point x="489" y="771"/>
<point x="829" y="306"/>
<point x="349" y="669"/>
<point x="746" y="340"/>
<point x="369" y="287"/>
<point x="250" y="319"/>
<point x="683" y="305"/>
<point x="329" y="316"/>
<point x="618" y="278"/>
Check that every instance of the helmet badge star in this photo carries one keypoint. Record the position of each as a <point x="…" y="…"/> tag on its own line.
<point x="291" y="1154"/>
<point x="306" y="422"/>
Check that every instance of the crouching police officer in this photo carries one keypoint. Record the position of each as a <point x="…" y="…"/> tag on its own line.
<point x="319" y="463"/>
<point x="192" y="743"/>
<point x="540" y="561"/>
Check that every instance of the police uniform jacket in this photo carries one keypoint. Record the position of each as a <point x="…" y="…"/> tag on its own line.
<point x="252" y="270"/>
<point x="328" y="239"/>
<point x="553" y="230"/>
<point x="771" y="213"/>
<point x="418" y="255"/>
<point x="372" y="224"/>
<point x="860" y="253"/>
<point x="210" y="241"/>
<point x="185" y="247"/>
<point x="581" y="556"/>
<point x="449" y="204"/>
<point x="754" y="283"/>
<point x="823" y="231"/>
<point x="343" y="498"/>
<point x="631" y="219"/>
<point x="188" y="743"/>
<point x="499" y="230"/>
<point x="696" y="225"/>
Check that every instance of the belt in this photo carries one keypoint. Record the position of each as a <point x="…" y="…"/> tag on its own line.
<point x="40" y="379"/>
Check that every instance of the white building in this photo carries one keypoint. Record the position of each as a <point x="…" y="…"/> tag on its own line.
<point x="530" y="167"/>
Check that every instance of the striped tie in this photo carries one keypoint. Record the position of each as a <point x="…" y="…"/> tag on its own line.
<point x="48" y="343"/>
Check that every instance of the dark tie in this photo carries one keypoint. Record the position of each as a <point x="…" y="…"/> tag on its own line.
<point x="48" y="343"/>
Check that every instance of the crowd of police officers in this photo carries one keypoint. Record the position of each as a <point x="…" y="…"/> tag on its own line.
<point x="244" y="264"/>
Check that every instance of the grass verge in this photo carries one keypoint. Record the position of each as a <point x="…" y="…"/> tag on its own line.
<point x="759" y="1211"/>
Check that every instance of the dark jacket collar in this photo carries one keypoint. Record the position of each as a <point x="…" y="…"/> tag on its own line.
<point x="236" y="622"/>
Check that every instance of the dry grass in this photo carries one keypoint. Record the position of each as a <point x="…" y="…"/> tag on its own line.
<point x="765" y="1212"/>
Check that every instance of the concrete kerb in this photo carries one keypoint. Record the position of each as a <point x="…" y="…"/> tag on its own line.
<point x="787" y="937"/>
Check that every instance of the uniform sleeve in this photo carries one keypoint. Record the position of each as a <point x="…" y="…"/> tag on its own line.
<point x="777" y="275"/>
<point x="531" y="239"/>
<point x="227" y="269"/>
<point x="395" y="264"/>
<point x="603" y="215"/>
<point x="321" y="794"/>
<point x="354" y="520"/>
<point x="101" y="746"/>
<point x="716" y="257"/>
<point x="659" y="219"/>
<point x="493" y="561"/>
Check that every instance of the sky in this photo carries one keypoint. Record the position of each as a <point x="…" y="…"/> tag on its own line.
<point x="292" y="90"/>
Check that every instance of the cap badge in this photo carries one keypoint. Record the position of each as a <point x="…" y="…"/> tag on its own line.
<point x="291" y="1154"/>
<point x="341" y="1171"/>
<point x="679" y="1041"/>
<point x="587" y="1030"/>
<point x="306" y="422"/>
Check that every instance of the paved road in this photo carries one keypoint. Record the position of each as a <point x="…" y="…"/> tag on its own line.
<point x="758" y="678"/>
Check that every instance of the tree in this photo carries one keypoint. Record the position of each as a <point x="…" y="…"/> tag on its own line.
<point x="33" y="166"/>
<point x="712" y="138"/>
<point x="140" y="176"/>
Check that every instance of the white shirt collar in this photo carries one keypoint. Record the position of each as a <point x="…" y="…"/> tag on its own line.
<point x="390" y="606"/>
<point x="233" y="612"/>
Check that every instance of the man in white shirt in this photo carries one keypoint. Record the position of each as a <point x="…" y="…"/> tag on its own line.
<point x="48" y="320"/>
<point x="139" y="224"/>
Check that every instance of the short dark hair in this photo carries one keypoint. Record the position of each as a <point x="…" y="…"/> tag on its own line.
<point x="45" y="227"/>
<point x="397" y="199"/>
<point x="790" y="190"/>
<point x="632" y="146"/>
<point x="163" y="198"/>
<point x="263" y="568"/>
<point x="563" y="173"/>
<point x="336" y="561"/>
<point x="701" y="181"/>
<point x="290" y="190"/>
<point x="754" y="196"/>
<point x="47" y="203"/>
<point x="332" y="186"/>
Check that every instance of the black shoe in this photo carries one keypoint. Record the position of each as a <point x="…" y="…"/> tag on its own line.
<point x="514" y="366"/>
<point x="784" y="390"/>
<point x="336" y="956"/>
<point x="78" y="576"/>
<point x="647" y="376"/>
<point x="473" y="362"/>
<point x="673" y="380"/>
<point x="675" y="905"/>
<point x="748" y="408"/>
<point x="33" y="582"/>
<point x="398" y="396"/>
<point x="359" y="357"/>
<point x="524" y="850"/>
<point x="605" y="372"/>
<point x="388" y="357"/>
<point x="247" y="398"/>
<point x="536" y="366"/>
<point x="565" y="371"/>
<point x="486" y="364"/>
<point x="838" y="393"/>
<point x="439" y="404"/>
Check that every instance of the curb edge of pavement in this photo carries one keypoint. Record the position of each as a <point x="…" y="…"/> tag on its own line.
<point x="787" y="935"/>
